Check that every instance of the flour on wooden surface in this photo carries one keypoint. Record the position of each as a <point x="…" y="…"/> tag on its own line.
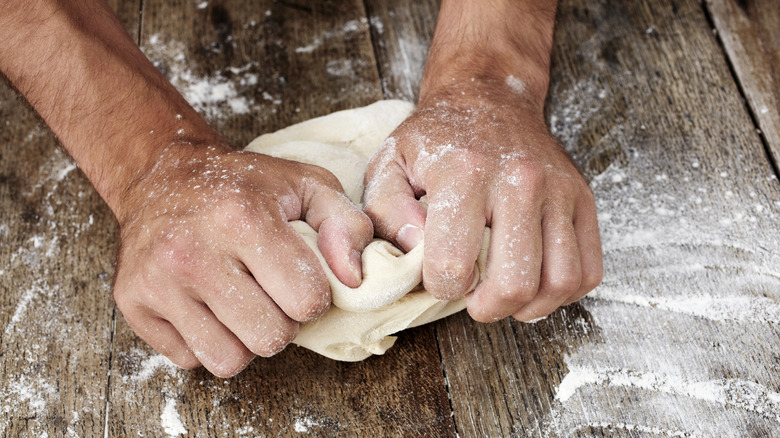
<point x="347" y="28"/>
<point x="691" y="292"/>
<point x="171" y="421"/>
<point x="227" y="92"/>
<point x="303" y="425"/>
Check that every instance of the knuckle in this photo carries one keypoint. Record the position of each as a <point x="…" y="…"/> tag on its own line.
<point x="311" y="306"/>
<point x="376" y="208"/>
<point x="321" y="175"/>
<point x="122" y="298"/>
<point x="276" y="339"/>
<point x="563" y="283"/>
<point x="591" y="279"/>
<point x="363" y="223"/>
<point x="449" y="277"/>
<point x="235" y="212"/>
<point x="586" y="193"/>
<point x="521" y="293"/>
<point x="482" y="314"/>
<point x="174" y="254"/>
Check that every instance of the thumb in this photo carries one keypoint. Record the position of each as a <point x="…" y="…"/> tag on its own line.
<point x="391" y="204"/>
<point x="344" y="230"/>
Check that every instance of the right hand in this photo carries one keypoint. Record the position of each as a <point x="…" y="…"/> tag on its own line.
<point x="209" y="270"/>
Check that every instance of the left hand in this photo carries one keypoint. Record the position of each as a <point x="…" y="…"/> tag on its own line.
<point x="485" y="157"/>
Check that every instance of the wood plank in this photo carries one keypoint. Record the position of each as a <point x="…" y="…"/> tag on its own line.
<point x="401" y="32"/>
<point x="286" y="62"/>
<point x="750" y="33"/>
<point x="681" y="336"/>
<point x="55" y="263"/>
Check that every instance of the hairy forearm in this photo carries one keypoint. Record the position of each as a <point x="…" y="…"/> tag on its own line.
<point x="108" y="105"/>
<point x="489" y="41"/>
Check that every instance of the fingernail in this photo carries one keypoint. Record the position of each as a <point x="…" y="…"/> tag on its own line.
<point x="356" y="266"/>
<point x="409" y="236"/>
<point x="534" y="320"/>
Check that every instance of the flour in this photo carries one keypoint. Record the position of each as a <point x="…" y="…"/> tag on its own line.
<point x="152" y="365"/>
<point x="515" y="84"/>
<point x="303" y="425"/>
<point x="218" y="96"/>
<point x="347" y="28"/>
<point x="170" y="420"/>
<point x="735" y="392"/>
<point x="22" y="389"/>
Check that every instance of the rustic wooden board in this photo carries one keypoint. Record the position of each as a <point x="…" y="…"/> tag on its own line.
<point x="750" y="33"/>
<point x="681" y="338"/>
<point x="57" y="245"/>
<point x="285" y="62"/>
<point x="401" y="32"/>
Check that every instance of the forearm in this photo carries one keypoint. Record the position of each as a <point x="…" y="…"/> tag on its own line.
<point x="107" y="104"/>
<point x="489" y="41"/>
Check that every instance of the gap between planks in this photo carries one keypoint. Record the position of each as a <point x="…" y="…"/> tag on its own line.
<point x="742" y="92"/>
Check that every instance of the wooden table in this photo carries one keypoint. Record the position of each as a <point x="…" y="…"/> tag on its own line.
<point x="670" y="107"/>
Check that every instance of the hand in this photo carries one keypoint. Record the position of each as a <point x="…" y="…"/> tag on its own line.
<point x="209" y="270"/>
<point x="484" y="157"/>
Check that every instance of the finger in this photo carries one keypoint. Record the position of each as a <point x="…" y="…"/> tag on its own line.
<point x="344" y="231"/>
<point x="561" y="270"/>
<point x="244" y="308"/>
<point x="453" y="236"/>
<point x="514" y="260"/>
<point x="284" y="266"/>
<point x="163" y="337"/>
<point x="391" y="204"/>
<point x="586" y="228"/>
<point x="215" y="346"/>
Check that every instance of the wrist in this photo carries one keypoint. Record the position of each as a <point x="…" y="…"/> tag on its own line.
<point x="499" y="44"/>
<point x="106" y="103"/>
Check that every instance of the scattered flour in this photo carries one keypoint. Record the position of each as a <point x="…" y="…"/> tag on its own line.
<point x="170" y="420"/>
<point x="746" y="395"/>
<point x="349" y="27"/>
<point x="302" y="425"/>
<point x="217" y="96"/>
<point x="515" y="84"/>
<point x="151" y="365"/>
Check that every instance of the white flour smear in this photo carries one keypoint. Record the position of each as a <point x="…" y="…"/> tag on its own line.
<point x="688" y="316"/>
<point x="217" y="96"/>
<point x="171" y="421"/>
<point x="43" y="323"/>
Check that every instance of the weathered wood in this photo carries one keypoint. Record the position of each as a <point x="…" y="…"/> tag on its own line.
<point x="680" y="340"/>
<point x="55" y="268"/>
<point x="286" y="62"/>
<point x="402" y="32"/>
<point x="643" y="98"/>
<point x="688" y="204"/>
<point x="750" y="32"/>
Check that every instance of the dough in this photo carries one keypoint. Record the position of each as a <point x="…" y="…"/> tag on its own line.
<point x="390" y="298"/>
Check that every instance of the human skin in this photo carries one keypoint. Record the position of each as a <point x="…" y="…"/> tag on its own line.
<point x="479" y="148"/>
<point x="209" y="271"/>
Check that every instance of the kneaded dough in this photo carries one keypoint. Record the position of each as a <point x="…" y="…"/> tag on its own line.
<point x="391" y="297"/>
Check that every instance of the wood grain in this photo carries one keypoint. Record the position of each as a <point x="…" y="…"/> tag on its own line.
<point x="750" y="33"/>
<point x="642" y="98"/>
<point x="55" y="269"/>
<point x="309" y="59"/>
<point x="402" y="33"/>
<point x="680" y="340"/>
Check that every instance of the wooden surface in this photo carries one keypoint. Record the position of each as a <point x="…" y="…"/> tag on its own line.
<point x="750" y="35"/>
<point x="682" y="339"/>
